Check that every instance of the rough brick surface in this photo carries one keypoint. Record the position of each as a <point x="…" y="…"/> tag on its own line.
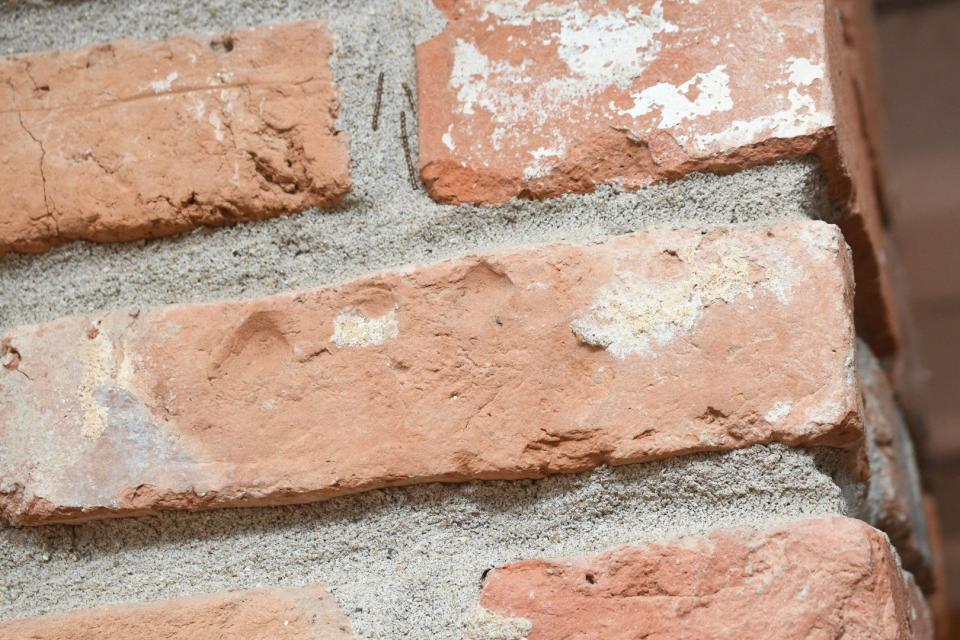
<point x="847" y="30"/>
<point x="130" y="140"/>
<point x="536" y="99"/>
<point x="894" y="498"/>
<point x="515" y="364"/>
<point x="305" y="613"/>
<point x="827" y="578"/>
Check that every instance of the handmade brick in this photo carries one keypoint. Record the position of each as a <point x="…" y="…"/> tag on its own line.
<point x="894" y="497"/>
<point x="517" y="364"/>
<point x="300" y="613"/>
<point x="826" y="578"/>
<point x="131" y="139"/>
<point x="537" y="99"/>
<point x="857" y="177"/>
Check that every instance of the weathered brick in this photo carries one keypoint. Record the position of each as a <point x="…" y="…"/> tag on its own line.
<point x="894" y="497"/>
<point x="540" y="99"/>
<point x="516" y="364"/>
<point x="131" y="139"/>
<point x="536" y="99"/>
<point x="827" y="578"/>
<point x="298" y="613"/>
<point x="857" y="184"/>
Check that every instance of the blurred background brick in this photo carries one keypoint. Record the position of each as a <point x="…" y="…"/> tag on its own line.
<point x="919" y="56"/>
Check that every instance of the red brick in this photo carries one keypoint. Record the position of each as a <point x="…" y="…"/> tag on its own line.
<point x="849" y="37"/>
<point x="828" y="578"/>
<point x="300" y="613"/>
<point x="516" y="364"/>
<point x="541" y="99"/>
<point x="537" y="99"/>
<point x="132" y="140"/>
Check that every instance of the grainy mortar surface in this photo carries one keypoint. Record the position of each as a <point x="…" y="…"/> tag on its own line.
<point x="384" y="222"/>
<point x="407" y="563"/>
<point x="404" y="563"/>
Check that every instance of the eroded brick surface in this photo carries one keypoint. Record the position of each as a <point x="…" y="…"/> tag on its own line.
<point x="848" y="28"/>
<point x="515" y="364"/>
<point x="130" y="139"/>
<point x="302" y="613"/>
<point x="537" y="99"/>
<point x="828" y="578"/>
<point x="542" y="98"/>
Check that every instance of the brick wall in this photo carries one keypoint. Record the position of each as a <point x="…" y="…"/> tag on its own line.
<point x="487" y="320"/>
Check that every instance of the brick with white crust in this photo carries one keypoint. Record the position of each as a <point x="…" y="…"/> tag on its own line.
<point x="516" y="364"/>
<point x="538" y="98"/>
<point x="542" y="98"/>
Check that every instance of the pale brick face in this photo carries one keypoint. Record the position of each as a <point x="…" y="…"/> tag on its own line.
<point x="305" y="613"/>
<point x="543" y="98"/>
<point x="827" y="578"/>
<point x="130" y="140"/>
<point x="516" y="364"/>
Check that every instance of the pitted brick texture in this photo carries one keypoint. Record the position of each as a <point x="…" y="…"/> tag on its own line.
<point x="514" y="364"/>
<point x="828" y="578"/>
<point x="132" y="140"/>
<point x="541" y="98"/>
<point x="537" y="99"/>
<point x="306" y="613"/>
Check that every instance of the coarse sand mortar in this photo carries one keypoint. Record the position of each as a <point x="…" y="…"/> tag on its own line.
<point x="384" y="222"/>
<point x="403" y="563"/>
<point x="407" y="562"/>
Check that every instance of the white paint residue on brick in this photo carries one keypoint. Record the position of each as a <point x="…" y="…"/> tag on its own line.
<point x="802" y="72"/>
<point x="712" y="94"/>
<point x="800" y="117"/>
<point x="601" y="50"/>
<point x="611" y="48"/>
<point x="471" y="76"/>
<point x="541" y="164"/>
<point x="779" y="411"/>
<point x="447" y="138"/>
<point x="159" y="86"/>
<point x="351" y="328"/>
<point x="608" y="48"/>
<point x="634" y="314"/>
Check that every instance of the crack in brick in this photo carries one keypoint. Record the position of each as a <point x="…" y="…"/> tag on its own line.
<point x="43" y="177"/>
<point x="151" y="95"/>
<point x="26" y="70"/>
<point x="158" y="153"/>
